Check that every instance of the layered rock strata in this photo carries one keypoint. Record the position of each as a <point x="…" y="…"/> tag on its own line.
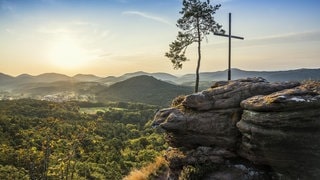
<point x="209" y="118"/>
<point x="202" y="124"/>
<point x="282" y="130"/>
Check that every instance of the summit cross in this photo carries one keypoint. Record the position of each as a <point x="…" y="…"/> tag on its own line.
<point x="229" y="36"/>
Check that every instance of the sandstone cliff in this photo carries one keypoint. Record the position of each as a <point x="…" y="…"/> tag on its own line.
<point x="244" y="129"/>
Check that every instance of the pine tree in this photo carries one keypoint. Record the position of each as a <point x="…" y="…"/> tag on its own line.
<point x="196" y="23"/>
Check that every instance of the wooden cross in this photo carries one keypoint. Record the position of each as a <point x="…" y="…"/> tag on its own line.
<point x="229" y="36"/>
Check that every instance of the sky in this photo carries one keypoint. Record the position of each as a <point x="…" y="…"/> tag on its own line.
<point x="113" y="37"/>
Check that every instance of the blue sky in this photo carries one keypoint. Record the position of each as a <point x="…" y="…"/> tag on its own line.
<point x="112" y="37"/>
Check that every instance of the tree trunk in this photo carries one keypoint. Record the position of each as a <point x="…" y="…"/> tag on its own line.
<point x="196" y="88"/>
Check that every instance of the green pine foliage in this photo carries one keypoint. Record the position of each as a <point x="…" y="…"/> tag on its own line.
<point x="196" y="23"/>
<point x="47" y="140"/>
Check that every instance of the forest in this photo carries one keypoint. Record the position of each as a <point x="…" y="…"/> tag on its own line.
<point x="76" y="140"/>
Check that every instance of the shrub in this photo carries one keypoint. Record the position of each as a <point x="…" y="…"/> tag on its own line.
<point x="151" y="171"/>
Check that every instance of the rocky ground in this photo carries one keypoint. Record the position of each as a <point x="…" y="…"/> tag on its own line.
<point x="245" y="129"/>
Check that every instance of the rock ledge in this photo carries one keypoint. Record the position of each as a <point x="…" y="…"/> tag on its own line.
<point x="246" y="129"/>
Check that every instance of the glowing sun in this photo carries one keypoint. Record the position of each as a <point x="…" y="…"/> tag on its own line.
<point x="67" y="53"/>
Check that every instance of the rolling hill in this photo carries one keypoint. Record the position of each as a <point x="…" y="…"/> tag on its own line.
<point x="145" y="89"/>
<point x="86" y="77"/>
<point x="24" y="79"/>
<point x="161" y="76"/>
<point x="152" y="88"/>
<point x="5" y="77"/>
<point x="271" y="76"/>
<point x="188" y="79"/>
<point x="5" y="80"/>
<point x="41" y="89"/>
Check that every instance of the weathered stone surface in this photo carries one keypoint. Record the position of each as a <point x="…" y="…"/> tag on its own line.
<point x="219" y="160"/>
<point x="239" y="172"/>
<point x="191" y="129"/>
<point x="282" y="130"/>
<point x="201" y="155"/>
<point x="301" y="97"/>
<point x="209" y="118"/>
<point x="229" y="94"/>
<point x="279" y="130"/>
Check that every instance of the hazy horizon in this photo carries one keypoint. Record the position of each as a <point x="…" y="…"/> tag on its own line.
<point x="174" y="74"/>
<point x="111" y="38"/>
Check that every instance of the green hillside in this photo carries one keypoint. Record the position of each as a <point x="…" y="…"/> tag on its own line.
<point x="59" y="86"/>
<point x="145" y="89"/>
<point x="161" y="76"/>
<point x="48" y="140"/>
<point x="151" y="88"/>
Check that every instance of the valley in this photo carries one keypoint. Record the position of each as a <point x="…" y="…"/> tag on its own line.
<point x="143" y="87"/>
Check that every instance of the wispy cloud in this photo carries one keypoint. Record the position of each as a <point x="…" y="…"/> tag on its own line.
<point x="64" y="27"/>
<point x="47" y="30"/>
<point x="147" y="16"/>
<point x="286" y="38"/>
<point x="82" y="23"/>
<point x="290" y="38"/>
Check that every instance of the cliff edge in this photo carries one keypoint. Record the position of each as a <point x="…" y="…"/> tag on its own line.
<point x="244" y="129"/>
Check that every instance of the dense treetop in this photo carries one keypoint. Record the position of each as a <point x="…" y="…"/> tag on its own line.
<point x="47" y="140"/>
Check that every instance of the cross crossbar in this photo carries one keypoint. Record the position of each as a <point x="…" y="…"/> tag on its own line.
<point x="229" y="36"/>
<point x="226" y="35"/>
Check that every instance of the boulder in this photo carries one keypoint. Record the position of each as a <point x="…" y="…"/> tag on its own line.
<point x="209" y="118"/>
<point x="199" y="155"/>
<point x="229" y="94"/>
<point x="203" y="129"/>
<point x="213" y="163"/>
<point x="282" y="130"/>
<point x="191" y="129"/>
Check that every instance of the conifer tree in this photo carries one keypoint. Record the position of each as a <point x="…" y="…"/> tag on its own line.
<point x="196" y="23"/>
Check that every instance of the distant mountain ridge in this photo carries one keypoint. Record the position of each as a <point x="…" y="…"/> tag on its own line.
<point x="272" y="76"/>
<point x="161" y="76"/>
<point x="86" y="77"/>
<point x="150" y="88"/>
<point x="5" y="77"/>
<point x="10" y="82"/>
<point x="206" y="76"/>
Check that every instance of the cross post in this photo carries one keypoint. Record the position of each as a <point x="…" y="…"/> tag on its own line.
<point x="229" y="37"/>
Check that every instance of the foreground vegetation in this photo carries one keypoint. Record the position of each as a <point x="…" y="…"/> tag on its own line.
<point x="47" y="140"/>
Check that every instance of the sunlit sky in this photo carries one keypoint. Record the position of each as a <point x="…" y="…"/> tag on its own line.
<point x="113" y="37"/>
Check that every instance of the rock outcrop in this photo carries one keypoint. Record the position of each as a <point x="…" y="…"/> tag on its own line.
<point x="224" y="94"/>
<point x="245" y="129"/>
<point x="190" y="129"/>
<point x="282" y="130"/>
